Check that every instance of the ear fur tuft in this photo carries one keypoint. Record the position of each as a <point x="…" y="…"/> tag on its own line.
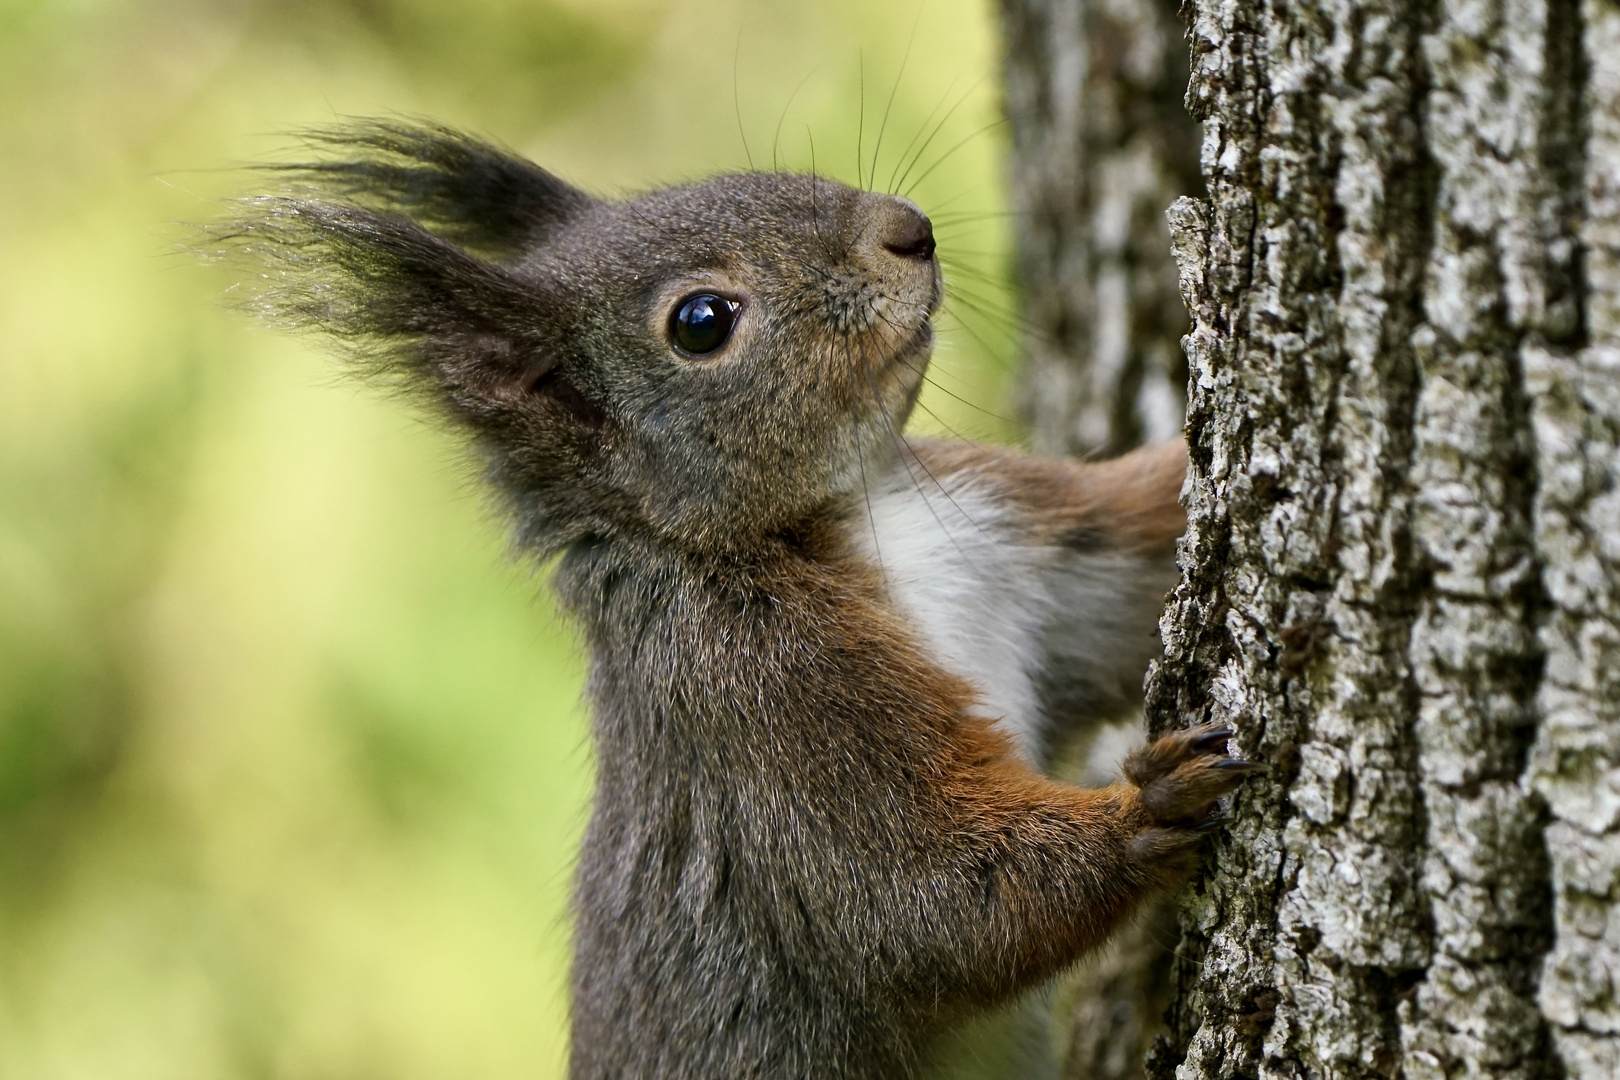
<point x="395" y="244"/>
<point x="468" y="190"/>
<point x="402" y="243"/>
<point x="403" y="301"/>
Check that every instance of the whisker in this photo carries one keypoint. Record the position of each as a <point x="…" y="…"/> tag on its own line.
<point x="990" y="350"/>
<point x="943" y="490"/>
<point x="877" y="147"/>
<point x="940" y="420"/>
<point x="860" y="123"/>
<point x="922" y="128"/>
<point x="992" y="290"/>
<point x="938" y="365"/>
<point x="979" y="215"/>
<point x="972" y="253"/>
<point x="907" y="455"/>
<point x="647" y="221"/>
<point x="958" y="397"/>
<point x="960" y="195"/>
<point x="1001" y="339"/>
<point x="815" y="215"/>
<point x="953" y="232"/>
<point x="922" y="373"/>
<point x="947" y="155"/>
<point x="990" y="295"/>
<point x="1004" y="320"/>
<point x="776" y="140"/>
<point x="866" y="488"/>
<point x="736" y="101"/>
<point x="937" y="129"/>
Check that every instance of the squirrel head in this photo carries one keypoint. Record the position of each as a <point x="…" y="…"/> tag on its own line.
<point x="704" y="364"/>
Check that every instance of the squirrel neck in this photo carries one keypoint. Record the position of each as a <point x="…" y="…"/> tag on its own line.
<point x="595" y="570"/>
<point x="688" y="645"/>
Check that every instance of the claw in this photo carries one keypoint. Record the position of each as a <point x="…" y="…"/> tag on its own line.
<point x="1238" y="765"/>
<point x="1214" y="824"/>
<point x="1212" y="739"/>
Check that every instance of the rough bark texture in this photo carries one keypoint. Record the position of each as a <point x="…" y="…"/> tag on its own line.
<point x="1402" y="572"/>
<point x="1575" y="763"/>
<point x="1101" y="145"/>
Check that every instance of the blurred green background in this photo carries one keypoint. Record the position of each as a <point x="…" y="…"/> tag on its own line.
<point x="292" y="760"/>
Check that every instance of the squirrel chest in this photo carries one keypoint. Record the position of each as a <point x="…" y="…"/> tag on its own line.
<point x="1039" y="627"/>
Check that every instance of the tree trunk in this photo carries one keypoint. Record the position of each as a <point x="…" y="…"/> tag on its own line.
<point x="1402" y="571"/>
<point x="1101" y="145"/>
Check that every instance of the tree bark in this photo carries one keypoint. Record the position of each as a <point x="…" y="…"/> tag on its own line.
<point x="1402" y="571"/>
<point x="1101" y="145"/>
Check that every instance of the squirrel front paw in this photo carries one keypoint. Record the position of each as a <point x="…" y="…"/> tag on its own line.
<point x="1178" y="778"/>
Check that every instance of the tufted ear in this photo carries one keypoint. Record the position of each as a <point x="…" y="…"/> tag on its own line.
<point x="401" y="245"/>
<point x="469" y="191"/>
<point x="412" y="308"/>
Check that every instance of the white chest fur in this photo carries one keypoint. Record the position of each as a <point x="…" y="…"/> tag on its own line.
<point x="976" y="596"/>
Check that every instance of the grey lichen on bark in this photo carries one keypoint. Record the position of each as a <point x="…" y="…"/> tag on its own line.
<point x="1575" y="764"/>
<point x="1404" y="527"/>
<point x="1101" y="143"/>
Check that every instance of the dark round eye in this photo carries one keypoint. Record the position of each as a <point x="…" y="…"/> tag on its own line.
<point x="702" y="323"/>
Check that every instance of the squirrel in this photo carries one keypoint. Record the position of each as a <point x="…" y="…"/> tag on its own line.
<point x="826" y="661"/>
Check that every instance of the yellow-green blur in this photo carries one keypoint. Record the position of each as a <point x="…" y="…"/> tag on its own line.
<point x="293" y="763"/>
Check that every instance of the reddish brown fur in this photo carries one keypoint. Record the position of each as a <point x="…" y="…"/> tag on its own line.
<point x="982" y="786"/>
<point x="1133" y="501"/>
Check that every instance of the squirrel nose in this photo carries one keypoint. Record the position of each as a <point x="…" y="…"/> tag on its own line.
<point x="909" y="233"/>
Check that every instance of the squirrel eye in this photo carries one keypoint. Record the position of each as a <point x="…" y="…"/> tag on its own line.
<point x="702" y="323"/>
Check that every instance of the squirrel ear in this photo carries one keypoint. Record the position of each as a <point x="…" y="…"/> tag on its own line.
<point x="412" y="307"/>
<point x="471" y="192"/>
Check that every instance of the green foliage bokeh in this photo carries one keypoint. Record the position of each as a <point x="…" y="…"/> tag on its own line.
<point x="292" y="757"/>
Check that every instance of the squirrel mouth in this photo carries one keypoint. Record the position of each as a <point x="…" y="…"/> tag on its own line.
<point x="922" y="341"/>
<point x="918" y="342"/>
<point x="908" y="362"/>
